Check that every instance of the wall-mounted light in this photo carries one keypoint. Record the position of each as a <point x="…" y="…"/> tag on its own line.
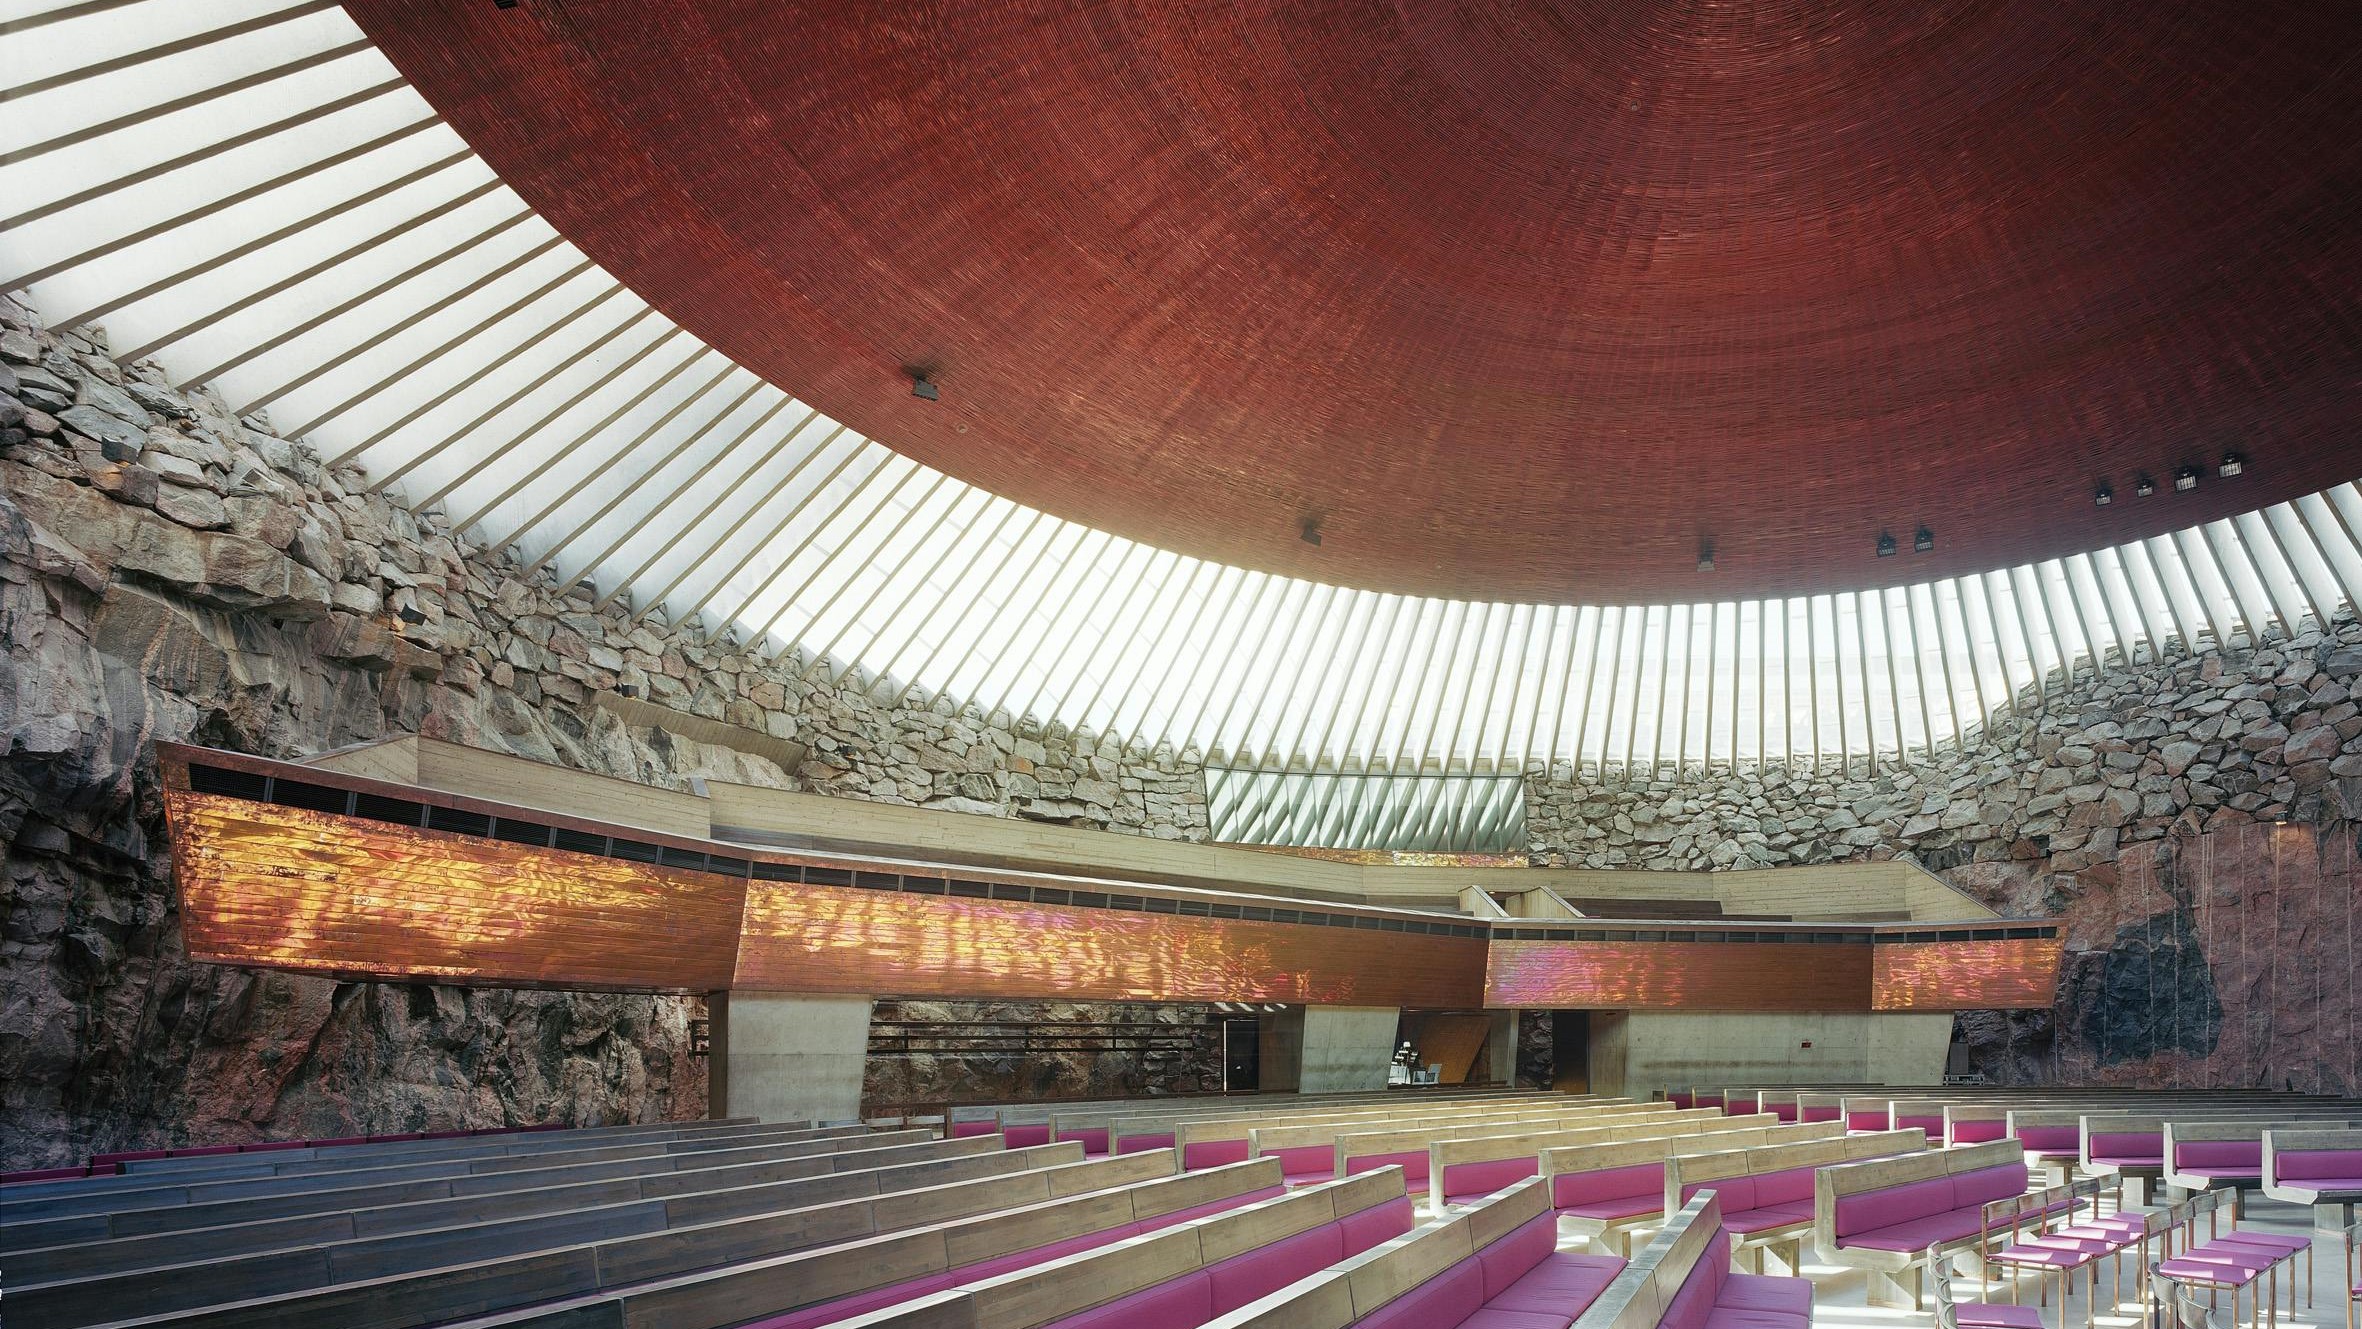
<point x="2232" y="464"/>
<point x="923" y="387"/>
<point x="2102" y="496"/>
<point x="1310" y="533"/>
<point x="2143" y="486"/>
<point x="1886" y="545"/>
<point x="2185" y="479"/>
<point x="1922" y="540"/>
<point x="1706" y="556"/>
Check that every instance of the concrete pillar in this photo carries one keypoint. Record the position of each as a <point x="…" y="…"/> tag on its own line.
<point x="1347" y="1048"/>
<point x="1501" y="1047"/>
<point x="786" y="1056"/>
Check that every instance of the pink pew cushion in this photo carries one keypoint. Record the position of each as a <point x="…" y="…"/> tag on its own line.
<point x="1689" y="1306"/>
<point x="1759" y="1292"/>
<point x="961" y="1130"/>
<point x="2051" y="1140"/>
<point x="1509" y="1258"/>
<point x="1444" y="1300"/>
<point x="338" y="1142"/>
<point x="1094" y="1139"/>
<point x="1865" y="1121"/>
<point x="2306" y="1165"/>
<point x="1786" y="1112"/>
<point x="1182" y="1303"/>
<point x="2133" y="1148"/>
<point x="1376" y="1224"/>
<point x="1266" y="1269"/>
<point x="1466" y="1181"/>
<point x="1809" y="1114"/>
<point x="1140" y="1144"/>
<point x="1977" y="1132"/>
<point x="1569" y="1189"/>
<point x="1767" y="1216"/>
<point x="1933" y="1125"/>
<point x="1489" y="1317"/>
<point x="1212" y="1153"/>
<point x="1309" y="1160"/>
<point x="1785" y="1186"/>
<point x="1561" y="1284"/>
<point x="1918" y="1233"/>
<point x="126" y="1156"/>
<point x="1413" y="1163"/>
<point x="1987" y="1184"/>
<point x="1025" y="1137"/>
<point x="1872" y="1210"/>
<point x="271" y="1148"/>
<point x="1732" y="1192"/>
<point x="2210" y="1154"/>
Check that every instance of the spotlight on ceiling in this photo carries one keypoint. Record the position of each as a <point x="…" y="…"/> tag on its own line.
<point x="2143" y="486"/>
<point x="1706" y="556"/>
<point x="2232" y="464"/>
<point x="923" y="387"/>
<point x="2102" y="496"/>
<point x="1922" y="540"/>
<point x="1886" y="545"/>
<point x="2185" y="479"/>
<point x="504" y="4"/>
<point x="1311" y="531"/>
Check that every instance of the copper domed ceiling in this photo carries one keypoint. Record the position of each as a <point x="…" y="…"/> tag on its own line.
<point x="1519" y="301"/>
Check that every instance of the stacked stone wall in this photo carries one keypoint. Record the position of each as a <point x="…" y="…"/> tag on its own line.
<point x="169" y="570"/>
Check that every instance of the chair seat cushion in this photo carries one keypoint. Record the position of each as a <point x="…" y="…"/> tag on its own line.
<point x="2263" y="1241"/>
<point x="2045" y="1257"/>
<point x="2212" y="1269"/>
<point x="1766" y="1292"/>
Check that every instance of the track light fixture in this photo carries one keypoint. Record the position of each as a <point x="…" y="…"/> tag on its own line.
<point x="1886" y="545"/>
<point x="1922" y="540"/>
<point x="923" y="387"/>
<point x="2143" y="486"/>
<point x="2232" y="464"/>
<point x="2185" y="479"/>
<point x="2102" y="496"/>
<point x="1706" y="556"/>
<point x="1311" y="531"/>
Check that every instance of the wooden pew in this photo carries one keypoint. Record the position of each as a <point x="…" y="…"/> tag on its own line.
<point x="1226" y="1138"/>
<point x="299" y="1179"/>
<point x="2321" y="1168"/>
<point x="1765" y="1191"/>
<point x="430" y="1296"/>
<point x="1410" y="1147"/>
<point x="1459" y="1167"/>
<point x="1607" y="1190"/>
<point x="1683" y="1279"/>
<point x="1940" y="1192"/>
<point x="160" y="1280"/>
<point x="859" y="1150"/>
<point x="835" y="1283"/>
<point x="1183" y="1274"/>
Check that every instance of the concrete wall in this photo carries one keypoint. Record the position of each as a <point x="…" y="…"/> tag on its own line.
<point x="1639" y="1052"/>
<point x="1347" y="1047"/>
<point x="784" y="1056"/>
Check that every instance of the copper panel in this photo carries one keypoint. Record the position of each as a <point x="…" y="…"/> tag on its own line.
<point x="287" y="888"/>
<point x="1677" y="975"/>
<point x="2007" y="975"/>
<point x="826" y="939"/>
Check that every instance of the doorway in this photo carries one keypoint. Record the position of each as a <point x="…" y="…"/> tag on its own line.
<point x="1570" y="1051"/>
<point x="1242" y="1056"/>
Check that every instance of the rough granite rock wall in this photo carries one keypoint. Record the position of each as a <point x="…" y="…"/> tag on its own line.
<point x="169" y="571"/>
<point x="2208" y="944"/>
